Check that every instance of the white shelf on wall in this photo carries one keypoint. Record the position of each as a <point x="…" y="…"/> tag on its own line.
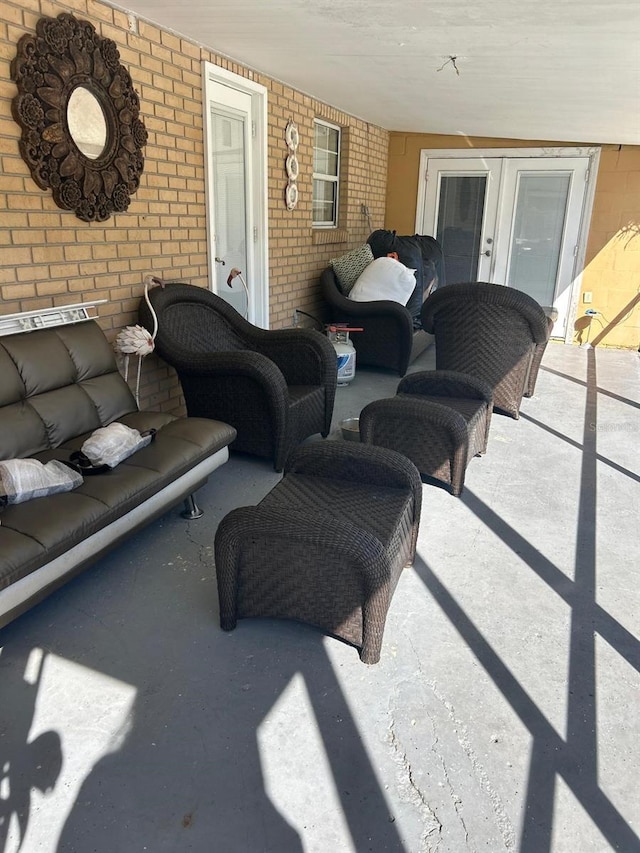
<point x="44" y="318"/>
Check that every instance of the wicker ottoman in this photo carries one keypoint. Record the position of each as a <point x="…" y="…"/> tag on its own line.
<point x="439" y="419"/>
<point x="326" y="546"/>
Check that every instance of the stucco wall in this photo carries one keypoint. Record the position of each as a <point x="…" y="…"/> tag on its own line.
<point x="612" y="263"/>
<point x="50" y="257"/>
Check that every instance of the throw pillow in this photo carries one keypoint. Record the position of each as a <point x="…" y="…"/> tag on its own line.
<point x="349" y="267"/>
<point x="384" y="278"/>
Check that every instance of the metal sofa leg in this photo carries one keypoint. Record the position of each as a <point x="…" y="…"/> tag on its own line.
<point x="191" y="509"/>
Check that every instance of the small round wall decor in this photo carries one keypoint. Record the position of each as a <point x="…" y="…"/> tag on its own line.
<point x="291" y="195"/>
<point x="291" y="165"/>
<point x="291" y="136"/>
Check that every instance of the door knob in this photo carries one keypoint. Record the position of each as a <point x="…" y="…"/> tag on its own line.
<point x="487" y="253"/>
<point x="219" y="261"/>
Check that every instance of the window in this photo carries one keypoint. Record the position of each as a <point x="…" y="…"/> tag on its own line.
<point x="326" y="175"/>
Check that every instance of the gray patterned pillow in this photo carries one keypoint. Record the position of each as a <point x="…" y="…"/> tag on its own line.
<point x="348" y="268"/>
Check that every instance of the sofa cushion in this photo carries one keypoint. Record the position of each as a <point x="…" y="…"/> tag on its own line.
<point x="348" y="268"/>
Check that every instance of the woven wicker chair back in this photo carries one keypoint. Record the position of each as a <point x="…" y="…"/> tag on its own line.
<point x="195" y="319"/>
<point x="200" y="328"/>
<point x="488" y="331"/>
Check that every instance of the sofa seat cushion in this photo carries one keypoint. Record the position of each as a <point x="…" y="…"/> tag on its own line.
<point x="36" y="532"/>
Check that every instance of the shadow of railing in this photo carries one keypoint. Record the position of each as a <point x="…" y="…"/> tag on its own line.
<point x="620" y="316"/>
<point x="599" y="457"/>
<point x="582" y="382"/>
<point x="189" y="767"/>
<point x="574" y="760"/>
<point x="26" y="763"/>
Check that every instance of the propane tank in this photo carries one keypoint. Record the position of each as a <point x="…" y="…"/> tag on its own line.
<point x="345" y="352"/>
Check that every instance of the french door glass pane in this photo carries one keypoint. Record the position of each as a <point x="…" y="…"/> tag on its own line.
<point x="460" y="216"/>
<point x="538" y="228"/>
<point x="228" y="163"/>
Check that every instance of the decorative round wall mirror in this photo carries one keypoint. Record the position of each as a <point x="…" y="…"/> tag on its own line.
<point x="82" y="136"/>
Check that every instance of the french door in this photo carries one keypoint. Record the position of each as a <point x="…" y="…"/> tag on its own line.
<point x="235" y="158"/>
<point x="513" y="220"/>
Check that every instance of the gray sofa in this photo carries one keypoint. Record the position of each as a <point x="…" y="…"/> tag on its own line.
<point x="57" y="386"/>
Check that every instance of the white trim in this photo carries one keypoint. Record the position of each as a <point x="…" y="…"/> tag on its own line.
<point x="322" y="176"/>
<point x="581" y="254"/>
<point x="258" y="192"/>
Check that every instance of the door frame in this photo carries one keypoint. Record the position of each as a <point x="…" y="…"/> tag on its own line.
<point x="257" y="187"/>
<point x="592" y="152"/>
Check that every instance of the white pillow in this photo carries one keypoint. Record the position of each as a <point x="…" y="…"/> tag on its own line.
<point x="384" y="278"/>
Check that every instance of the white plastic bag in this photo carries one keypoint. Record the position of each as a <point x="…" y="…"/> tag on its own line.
<point x="111" y="444"/>
<point x="25" y="479"/>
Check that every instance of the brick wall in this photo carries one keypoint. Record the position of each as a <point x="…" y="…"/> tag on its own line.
<point x="50" y="257"/>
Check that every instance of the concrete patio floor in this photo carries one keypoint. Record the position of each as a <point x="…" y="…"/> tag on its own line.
<point x="503" y="716"/>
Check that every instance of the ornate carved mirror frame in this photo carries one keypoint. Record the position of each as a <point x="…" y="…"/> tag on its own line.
<point x="64" y="55"/>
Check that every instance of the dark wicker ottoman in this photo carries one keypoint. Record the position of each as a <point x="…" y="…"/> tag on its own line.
<point x="326" y="546"/>
<point x="439" y="419"/>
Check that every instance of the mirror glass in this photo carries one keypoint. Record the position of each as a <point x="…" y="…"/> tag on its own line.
<point x="86" y="122"/>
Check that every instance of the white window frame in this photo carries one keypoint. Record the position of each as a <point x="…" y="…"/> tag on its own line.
<point x="335" y="179"/>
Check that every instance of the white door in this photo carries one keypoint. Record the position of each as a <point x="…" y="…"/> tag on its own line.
<point x="235" y="157"/>
<point x="510" y="220"/>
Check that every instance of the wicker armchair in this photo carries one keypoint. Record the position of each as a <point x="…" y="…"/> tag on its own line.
<point x="275" y="387"/>
<point x="388" y="338"/>
<point x="326" y="546"/>
<point x="491" y="332"/>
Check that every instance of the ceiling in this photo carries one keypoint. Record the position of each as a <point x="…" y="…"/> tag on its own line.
<point x="522" y="69"/>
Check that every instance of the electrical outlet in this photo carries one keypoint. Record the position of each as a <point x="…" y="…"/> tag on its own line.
<point x="587" y="297"/>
